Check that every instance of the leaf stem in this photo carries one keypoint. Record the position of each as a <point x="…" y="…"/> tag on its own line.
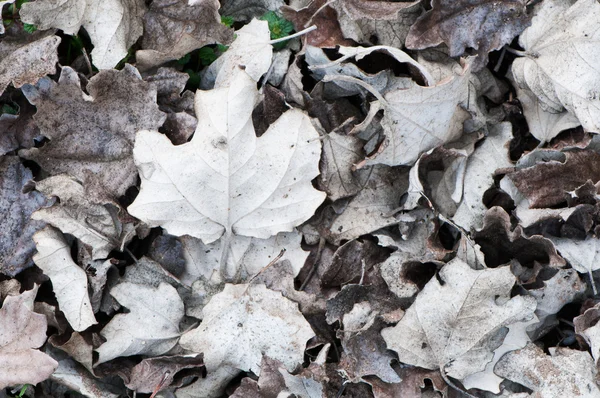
<point x="302" y="32"/>
<point x="515" y="52"/>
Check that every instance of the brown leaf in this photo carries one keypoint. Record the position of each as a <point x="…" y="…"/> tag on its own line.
<point x="175" y="28"/>
<point x="16" y="207"/>
<point x="483" y="25"/>
<point x="25" y="58"/>
<point x="162" y="372"/>
<point x="18" y="131"/>
<point x="21" y="332"/>
<point x="327" y="34"/>
<point x="91" y="137"/>
<point x="548" y="183"/>
<point x="412" y="385"/>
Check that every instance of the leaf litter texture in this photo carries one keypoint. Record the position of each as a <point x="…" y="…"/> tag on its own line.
<point x="432" y="120"/>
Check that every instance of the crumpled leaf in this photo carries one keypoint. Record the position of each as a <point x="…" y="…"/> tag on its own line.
<point x="21" y="332"/>
<point x="68" y="279"/>
<point x="175" y="28"/>
<point x="91" y="136"/>
<point x="245" y="322"/>
<point x="95" y="225"/>
<point x="561" y="47"/>
<point x="586" y="325"/>
<point x="150" y="328"/>
<point x="25" y="59"/>
<point x="483" y="25"/>
<point x="16" y="246"/>
<point x="151" y="372"/>
<point x="456" y="325"/>
<point x="563" y="373"/>
<point x="412" y="126"/>
<point x="549" y="183"/>
<point x="268" y="180"/>
<point x="250" y="49"/>
<point x="113" y="25"/>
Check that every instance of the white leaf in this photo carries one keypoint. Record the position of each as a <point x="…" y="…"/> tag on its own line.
<point x="245" y="322"/>
<point x="68" y="279"/>
<point x="226" y="180"/>
<point x="456" y="325"/>
<point x="560" y="66"/>
<point x="113" y="25"/>
<point x="150" y="328"/>
<point x="583" y="255"/>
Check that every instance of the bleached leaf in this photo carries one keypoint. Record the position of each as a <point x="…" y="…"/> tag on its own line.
<point x="250" y="49"/>
<point x="561" y="49"/>
<point x="23" y="60"/>
<point x="583" y="255"/>
<point x="456" y="325"/>
<point x="21" y="332"/>
<point x="245" y="322"/>
<point x="89" y="222"/>
<point x="247" y="256"/>
<point x="563" y="373"/>
<point x="113" y="25"/>
<point x="150" y="328"/>
<point x="418" y="118"/>
<point x="68" y="279"/>
<point x="233" y="183"/>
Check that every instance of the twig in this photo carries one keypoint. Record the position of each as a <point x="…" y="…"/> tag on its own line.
<point x="302" y="32"/>
<point x="454" y="386"/>
<point x="281" y="253"/>
<point x="318" y="11"/>
<point x="515" y="52"/>
<point x="87" y="61"/>
<point x="315" y="264"/>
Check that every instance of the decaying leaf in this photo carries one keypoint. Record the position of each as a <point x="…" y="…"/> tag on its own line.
<point x="151" y="327"/>
<point x="95" y="225"/>
<point x="248" y="9"/>
<point x="23" y="60"/>
<point x="68" y="279"/>
<point x="16" y="246"/>
<point x="113" y="25"/>
<point x="175" y="28"/>
<point x="21" y="332"/>
<point x="563" y="373"/>
<point x="561" y="47"/>
<point x="263" y="189"/>
<point x="91" y="136"/>
<point x="245" y="322"/>
<point x="455" y="322"/>
<point x="483" y="25"/>
<point x="161" y="371"/>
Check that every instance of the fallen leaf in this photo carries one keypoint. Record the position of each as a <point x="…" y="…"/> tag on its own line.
<point x="377" y="22"/>
<point x="175" y="28"/>
<point x="455" y="322"/>
<point x="16" y="246"/>
<point x="18" y="131"/>
<point x="161" y="371"/>
<point x="483" y="25"/>
<point x="95" y="225"/>
<point x="151" y="327"/>
<point x="581" y="254"/>
<point x="25" y="59"/>
<point x="563" y="373"/>
<point x="245" y="322"/>
<point x="113" y="25"/>
<point x="251" y="49"/>
<point x="2" y="4"/>
<point x="269" y="179"/>
<point x="548" y="183"/>
<point x="372" y="208"/>
<point x="91" y="136"/>
<point x="21" y="332"/>
<point x="412" y="125"/>
<point x="558" y="65"/>
<point x="68" y="279"/>
<point x="245" y="10"/>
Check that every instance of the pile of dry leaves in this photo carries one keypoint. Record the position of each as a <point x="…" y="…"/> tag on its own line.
<point x="400" y="202"/>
